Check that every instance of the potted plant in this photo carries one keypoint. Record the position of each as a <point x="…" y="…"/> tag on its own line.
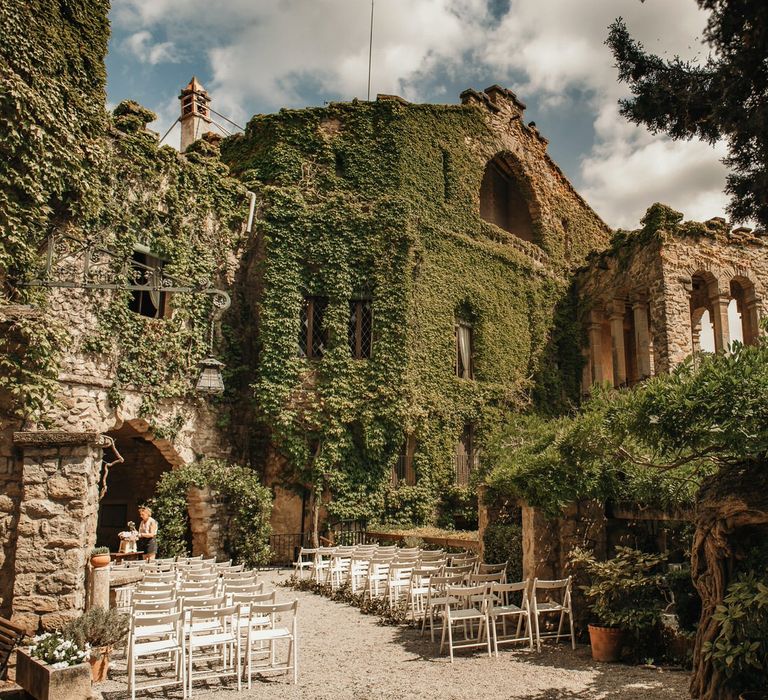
<point x="625" y="595"/>
<point x="54" y="668"/>
<point x="100" y="557"/>
<point x="100" y="631"/>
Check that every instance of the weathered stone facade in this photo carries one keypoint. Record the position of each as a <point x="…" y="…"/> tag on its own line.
<point x="643" y="300"/>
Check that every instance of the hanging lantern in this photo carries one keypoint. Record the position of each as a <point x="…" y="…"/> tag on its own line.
<point x="210" y="381"/>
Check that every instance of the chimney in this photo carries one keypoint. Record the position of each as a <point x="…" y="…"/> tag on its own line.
<point x="195" y="115"/>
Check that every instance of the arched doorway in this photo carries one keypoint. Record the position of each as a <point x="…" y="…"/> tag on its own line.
<point x="132" y="482"/>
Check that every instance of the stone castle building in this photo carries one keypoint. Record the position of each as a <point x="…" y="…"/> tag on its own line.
<point x="401" y="275"/>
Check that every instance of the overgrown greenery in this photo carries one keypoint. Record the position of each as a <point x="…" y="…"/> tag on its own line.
<point x="380" y="200"/>
<point x="503" y="544"/>
<point x="98" y="628"/>
<point x="626" y="591"/>
<point x="245" y="506"/>
<point x="722" y="97"/>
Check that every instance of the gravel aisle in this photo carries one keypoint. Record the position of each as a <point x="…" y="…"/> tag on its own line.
<point x="345" y="655"/>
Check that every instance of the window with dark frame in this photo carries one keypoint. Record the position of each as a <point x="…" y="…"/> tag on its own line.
<point x="313" y="337"/>
<point x="465" y="457"/>
<point x="403" y="471"/>
<point x="360" y="328"/>
<point x="147" y="269"/>
<point x="464" y="364"/>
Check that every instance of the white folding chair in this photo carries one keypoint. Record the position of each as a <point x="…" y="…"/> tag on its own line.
<point x="552" y="605"/>
<point x="305" y="561"/>
<point x="378" y="573"/>
<point x="159" y="640"/>
<point x="214" y="631"/>
<point x="399" y="581"/>
<point x="501" y="605"/>
<point x="484" y="569"/>
<point x="436" y="599"/>
<point x="460" y="608"/>
<point x="287" y="631"/>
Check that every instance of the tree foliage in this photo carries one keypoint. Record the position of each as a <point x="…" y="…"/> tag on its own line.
<point x="722" y="97"/>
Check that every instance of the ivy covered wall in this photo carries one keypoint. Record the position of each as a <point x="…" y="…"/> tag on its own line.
<point x="382" y="199"/>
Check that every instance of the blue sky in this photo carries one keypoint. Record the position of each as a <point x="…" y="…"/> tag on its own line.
<point x="256" y="56"/>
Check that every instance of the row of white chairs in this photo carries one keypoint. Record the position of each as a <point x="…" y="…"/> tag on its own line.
<point x="180" y="621"/>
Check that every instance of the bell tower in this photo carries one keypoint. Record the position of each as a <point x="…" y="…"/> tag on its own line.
<point x="195" y="114"/>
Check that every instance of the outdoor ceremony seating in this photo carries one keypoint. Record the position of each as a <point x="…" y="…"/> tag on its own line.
<point x="561" y="607"/>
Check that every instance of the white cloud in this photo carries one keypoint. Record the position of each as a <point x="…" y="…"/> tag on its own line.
<point x="141" y="45"/>
<point x="275" y="53"/>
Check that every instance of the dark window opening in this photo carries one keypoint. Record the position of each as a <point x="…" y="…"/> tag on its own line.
<point x="465" y="457"/>
<point x="148" y="270"/>
<point x="464" y="364"/>
<point x="360" y="328"/>
<point x="313" y="337"/>
<point x="446" y="175"/>
<point x="403" y="471"/>
<point x="340" y="165"/>
<point x="502" y="201"/>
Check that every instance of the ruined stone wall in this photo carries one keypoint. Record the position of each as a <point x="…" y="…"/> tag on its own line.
<point x="649" y="282"/>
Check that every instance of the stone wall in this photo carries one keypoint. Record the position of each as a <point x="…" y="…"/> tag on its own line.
<point x="642" y="299"/>
<point x="56" y="526"/>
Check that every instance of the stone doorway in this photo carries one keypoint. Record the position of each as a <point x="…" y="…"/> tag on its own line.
<point x="132" y="482"/>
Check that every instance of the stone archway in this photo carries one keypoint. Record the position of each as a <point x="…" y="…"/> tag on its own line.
<point x="132" y="482"/>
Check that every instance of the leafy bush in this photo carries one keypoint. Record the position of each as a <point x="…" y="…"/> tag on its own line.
<point x="504" y="543"/>
<point x="626" y="591"/>
<point x="740" y="649"/>
<point x="98" y="628"/>
<point x="458" y="508"/>
<point x="246" y="503"/>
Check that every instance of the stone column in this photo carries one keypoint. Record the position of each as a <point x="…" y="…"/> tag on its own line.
<point x="642" y="337"/>
<point x="720" y="322"/>
<point x="751" y="321"/>
<point x="617" y="336"/>
<point x="541" y="545"/>
<point x="596" y="351"/>
<point x="98" y="581"/>
<point x="56" y="526"/>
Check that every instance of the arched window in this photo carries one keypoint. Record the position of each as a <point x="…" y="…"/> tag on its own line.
<point x="703" y="291"/>
<point x="743" y="320"/>
<point x="502" y="201"/>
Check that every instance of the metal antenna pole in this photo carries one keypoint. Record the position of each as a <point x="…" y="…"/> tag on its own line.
<point x="370" y="54"/>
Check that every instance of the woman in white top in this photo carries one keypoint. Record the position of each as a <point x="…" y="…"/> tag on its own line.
<point x="147" y="533"/>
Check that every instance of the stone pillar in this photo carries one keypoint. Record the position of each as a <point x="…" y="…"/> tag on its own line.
<point x="617" y="337"/>
<point x="642" y="337"/>
<point x="98" y="584"/>
<point x="720" y="322"/>
<point x="207" y="521"/>
<point x="482" y="519"/>
<point x="56" y="526"/>
<point x="596" y="350"/>
<point x="751" y="321"/>
<point x="541" y="545"/>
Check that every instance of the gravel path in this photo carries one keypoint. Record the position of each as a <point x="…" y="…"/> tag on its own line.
<point x="345" y="655"/>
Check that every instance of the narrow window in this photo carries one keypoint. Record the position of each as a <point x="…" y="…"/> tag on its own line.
<point x="464" y="350"/>
<point x="360" y="328"/>
<point x="403" y="471"/>
<point x="503" y="200"/>
<point x="147" y="270"/>
<point x="465" y="455"/>
<point x="446" y="175"/>
<point x="312" y="333"/>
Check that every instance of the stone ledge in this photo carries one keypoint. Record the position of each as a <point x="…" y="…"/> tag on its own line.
<point x="54" y="438"/>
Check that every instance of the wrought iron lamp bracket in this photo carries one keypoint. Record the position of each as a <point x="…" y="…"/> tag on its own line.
<point x="97" y="271"/>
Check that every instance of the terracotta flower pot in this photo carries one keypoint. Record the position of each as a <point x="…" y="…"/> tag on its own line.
<point x="606" y="643"/>
<point x="100" y="560"/>
<point x="99" y="664"/>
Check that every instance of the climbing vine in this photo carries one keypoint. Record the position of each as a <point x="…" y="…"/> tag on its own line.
<point x="381" y="198"/>
<point x="243" y="510"/>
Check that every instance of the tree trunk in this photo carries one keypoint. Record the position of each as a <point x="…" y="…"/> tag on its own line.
<point x="728" y="504"/>
<point x="316" y="520"/>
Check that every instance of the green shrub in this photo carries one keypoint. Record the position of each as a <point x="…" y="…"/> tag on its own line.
<point x="504" y="543"/>
<point x="458" y="508"/>
<point x="626" y="591"/>
<point x="740" y="649"/>
<point x="97" y="627"/>
<point x="246" y="503"/>
<point x="96" y="551"/>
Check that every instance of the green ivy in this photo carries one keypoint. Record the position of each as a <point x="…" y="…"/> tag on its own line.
<point x="245" y="503"/>
<point x="355" y="197"/>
